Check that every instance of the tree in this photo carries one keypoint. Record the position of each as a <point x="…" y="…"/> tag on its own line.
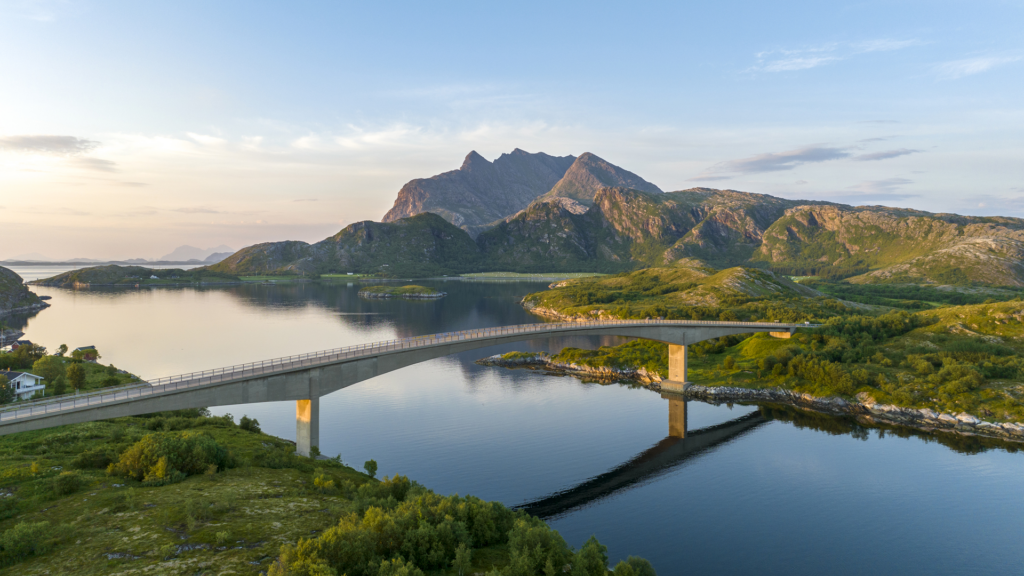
<point x="249" y="424"/>
<point x="49" y="367"/>
<point x="60" y="385"/>
<point x="76" y="376"/>
<point x="62" y="350"/>
<point x="7" y="393"/>
<point x="463" y="561"/>
<point x="371" y="468"/>
<point x="729" y="363"/>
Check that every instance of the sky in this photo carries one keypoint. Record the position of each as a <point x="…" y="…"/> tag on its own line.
<point x="129" y="128"/>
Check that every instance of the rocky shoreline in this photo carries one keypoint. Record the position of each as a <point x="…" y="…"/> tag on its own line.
<point x="30" y="308"/>
<point x="543" y="361"/>
<point x="864" y="407"/>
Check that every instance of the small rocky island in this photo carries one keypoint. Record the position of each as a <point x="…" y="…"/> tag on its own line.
<point x="411" y="291"/>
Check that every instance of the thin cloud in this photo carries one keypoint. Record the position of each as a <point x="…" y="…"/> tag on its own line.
<point x="885" y="155"/>
<point x="97" y="164"/>
<point x="884" y="45"/>
<point x="779" y="161"/>
<point x="709" y="178"/>
<point x="886" y="187"/>
<point x="789" y="60"/>
<point x="47" y="144"/>
<point x="196" y="210"/>
<point x="306" y="200"/>
<point x="791" y="64"/>
<point x="969" y="66"/>
<point x="879" y="122"/>
<point x="873" y="140"/>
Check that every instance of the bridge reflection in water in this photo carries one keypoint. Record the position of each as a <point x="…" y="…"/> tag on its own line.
<point x="679" y="447"/>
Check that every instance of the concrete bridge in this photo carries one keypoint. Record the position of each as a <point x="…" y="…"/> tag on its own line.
<point x="680" y="446"/>
<point x="307" y="377"/>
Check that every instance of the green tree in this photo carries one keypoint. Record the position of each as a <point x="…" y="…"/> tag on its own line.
<point x="591" y="560"/>
<point x="59" y="386"/>
<point x="76" y="376"/>
<point x="729" y="363"/>
<point x="634" y="566"/>
<point x="371" y="468"/>
<point x="7" y="394"/>
<point x="49" y="367"/>
<point x="463" y="561"/>
<point x="62" y="350"/>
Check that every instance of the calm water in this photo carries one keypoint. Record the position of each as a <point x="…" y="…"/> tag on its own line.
<point x="772" y="494"/>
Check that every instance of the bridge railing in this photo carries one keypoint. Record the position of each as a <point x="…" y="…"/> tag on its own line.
<point x="217" y="375"/>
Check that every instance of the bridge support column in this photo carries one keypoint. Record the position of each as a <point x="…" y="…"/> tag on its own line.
<point x="307" y="425"/>
<point x="676" y="369"/>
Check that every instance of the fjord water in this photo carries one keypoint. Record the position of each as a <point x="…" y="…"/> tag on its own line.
<point x="784" y="494"/>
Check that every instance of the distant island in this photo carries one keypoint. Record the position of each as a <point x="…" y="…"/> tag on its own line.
<point x="411" y="291"/>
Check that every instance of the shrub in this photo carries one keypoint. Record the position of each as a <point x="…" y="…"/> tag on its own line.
<point x="66" y="483"/>
<point x="97" y="458"/>
<point x="170" y="457"/>
<point x="371" y="467"/>
<point x="25" y="539"/>
<point x="729" y="363"/>
<point x="249" y="424"/>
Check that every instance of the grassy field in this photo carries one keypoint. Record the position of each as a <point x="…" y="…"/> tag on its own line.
<point x="71" y="503"/>
<point x="515" y="275"/>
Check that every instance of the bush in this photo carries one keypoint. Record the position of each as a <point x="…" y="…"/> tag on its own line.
<point x="97" y="458"/>
<point x="170" y="457"/>
<point x="249" y="424"/>
<point x="66" y="483"/>
<point x="23" y="540"/>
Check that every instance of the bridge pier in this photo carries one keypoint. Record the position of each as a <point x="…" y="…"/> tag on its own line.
<point x="676" y="369"/>
<point x="307" y="425"/>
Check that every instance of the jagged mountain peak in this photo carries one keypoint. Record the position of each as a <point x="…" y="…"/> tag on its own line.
<point x="589" y="174"/>
<point x="474" y="160"/>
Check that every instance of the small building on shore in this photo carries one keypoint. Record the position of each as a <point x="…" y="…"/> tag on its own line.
<point x="25" y="385"/>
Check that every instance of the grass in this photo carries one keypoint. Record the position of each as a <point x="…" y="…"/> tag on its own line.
<point x="266" y="278"/>
<point x="552" y="275"/>
<point x="234" y="520"/>
<point x="411" y="290"/>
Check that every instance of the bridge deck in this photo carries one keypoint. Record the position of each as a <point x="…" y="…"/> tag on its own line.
<point x="24" y="410"/>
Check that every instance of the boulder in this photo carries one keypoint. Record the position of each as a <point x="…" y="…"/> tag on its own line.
<point x="966" y="418"/>
<point x="928" y="414"/>
<point x="947" y="419"/>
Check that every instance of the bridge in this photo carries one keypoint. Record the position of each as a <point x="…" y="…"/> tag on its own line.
<point x="307" y="377"/>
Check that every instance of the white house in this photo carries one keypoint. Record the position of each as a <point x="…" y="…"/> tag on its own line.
<point x="24" y="385"/>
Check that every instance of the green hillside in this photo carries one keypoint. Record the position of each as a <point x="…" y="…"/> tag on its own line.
<point x="189" y="493"/>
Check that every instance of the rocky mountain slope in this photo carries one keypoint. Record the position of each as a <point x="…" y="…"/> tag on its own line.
<point x="421" y="245"/>
<point x="898" y="245"/>
<point x="481" y="192"/>
<point x="15" y="296"/>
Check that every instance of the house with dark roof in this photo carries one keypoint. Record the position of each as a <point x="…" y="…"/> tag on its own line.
<point x="25" y="385"/>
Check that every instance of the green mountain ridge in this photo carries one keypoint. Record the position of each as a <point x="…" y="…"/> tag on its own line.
<point x="625" y="229"/>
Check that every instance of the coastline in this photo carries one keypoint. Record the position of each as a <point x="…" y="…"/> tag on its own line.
<point x="864" y="406"/>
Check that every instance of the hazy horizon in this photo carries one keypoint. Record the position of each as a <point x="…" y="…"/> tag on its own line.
<point x="127" y="130"/>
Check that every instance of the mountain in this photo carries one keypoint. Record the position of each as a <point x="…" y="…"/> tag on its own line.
<point x="186" y="253"/>
<point x="15" y="296"/>
<point x="481" y="192"/>
<point x="588" y="174"/>
<point x="217" y="257"/>
<point x="898" y="245"/>
<point x="31" y="257"/>
<point x="580" y="225"/>
<point x="626" y="228"/>
<point x="421" y="245"/>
